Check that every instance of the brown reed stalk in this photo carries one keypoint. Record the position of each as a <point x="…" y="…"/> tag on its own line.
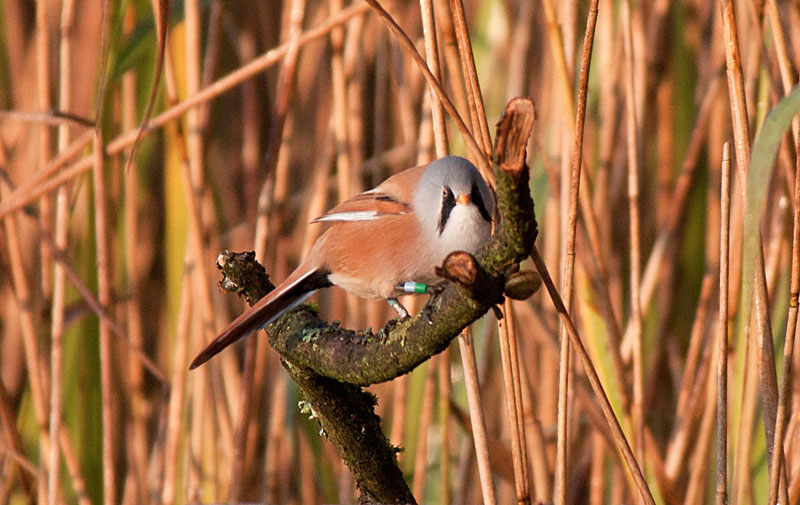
<point x="340" y="109"/>
<point x="794" y="486"/>
<point x="104" y="297"/>
<point x="245" y="410"/>
<point x="466" y="345"/>
<point x="499" y="456"/>
<point x="308" y="472"/>
<point x="597" y="478"/>
<point x="722" y="331"/>
<point x="517" y="383"/>
<point x="380" y="110"/>
<point x="698" y="466"/>
<point x="194" y="456"/>
<point x="356" y="72"/>
<point x="176" y="404"/>
<point x="194" y="126"/>
<point x="531" y="426"/>
<point x="632" y="131"/>
<point x="400" y="395"/>
<point x="452" y="63"/>
<point x="432" y="58"/>
<point x="281" y="128"/>
<point x="741" y="132"/>
<point x="211" y="52"/>
<point x="740" y="480"/>
<point x="23" y="293"/>
<point x="423" y="428"/>
<point x="276" y="444"/>
<point x="45" y="148"/>
<point x="616" y="431"/>
<point x="520" y="41"/>
<point x="788" y="344"/>
<point x="275" y="441"/>
<point x="161" y="15"/>
<point x="445" y="387"/>
<point x="51" y="118"/>
<point x="250" y="154"/>
<point x="58" y="287"/>
<point x="480" y="127"/>
<point x="559" y="58"/>
<point x="787" y="78"/>
<point x="133" y="269"/>
<point x="194" y="160"/>
<point x="514" y="406"/>
<point x="401" y="77"/>
<point x="583" y="395"/>
<point x="572" y="220"/>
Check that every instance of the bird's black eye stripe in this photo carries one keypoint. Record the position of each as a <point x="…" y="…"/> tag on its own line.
<point x="448" y="202"/>
<point x="476" y="198"/>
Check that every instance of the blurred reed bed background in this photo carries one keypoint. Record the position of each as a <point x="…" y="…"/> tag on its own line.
<point x="258" y="117"/>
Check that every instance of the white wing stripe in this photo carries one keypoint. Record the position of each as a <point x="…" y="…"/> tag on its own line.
<point x="362" y="215"/>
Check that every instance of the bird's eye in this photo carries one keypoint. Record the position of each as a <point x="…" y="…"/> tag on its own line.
<point x="445" y="192"/>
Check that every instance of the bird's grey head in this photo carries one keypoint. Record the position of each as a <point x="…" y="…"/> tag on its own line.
<point x="454" y="205"/>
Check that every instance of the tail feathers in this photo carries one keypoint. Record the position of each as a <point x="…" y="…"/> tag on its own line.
<point x="285" y="297"/>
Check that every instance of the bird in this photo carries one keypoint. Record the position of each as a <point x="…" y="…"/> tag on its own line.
<point x="382" y="243"/>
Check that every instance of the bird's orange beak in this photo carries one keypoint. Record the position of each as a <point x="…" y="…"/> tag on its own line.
<point x="463" y="199"/>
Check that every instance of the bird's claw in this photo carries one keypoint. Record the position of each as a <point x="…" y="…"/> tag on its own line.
<point x="426" y="314"/>
<point x="427" y="310"/>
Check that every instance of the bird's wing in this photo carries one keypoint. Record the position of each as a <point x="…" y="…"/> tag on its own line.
<point x="365" y="207"/>
<point x="391" y="198"/>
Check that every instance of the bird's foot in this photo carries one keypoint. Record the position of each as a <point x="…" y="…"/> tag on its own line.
<point x="434" y="292"/>
<point x="398" y="307"/>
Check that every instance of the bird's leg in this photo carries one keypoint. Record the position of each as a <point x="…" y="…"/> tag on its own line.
<point x="397" y="306"/>
<point x="419" y="288"/>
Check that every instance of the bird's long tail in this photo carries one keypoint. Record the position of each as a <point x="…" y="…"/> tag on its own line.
<point x="286" y="296"/>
